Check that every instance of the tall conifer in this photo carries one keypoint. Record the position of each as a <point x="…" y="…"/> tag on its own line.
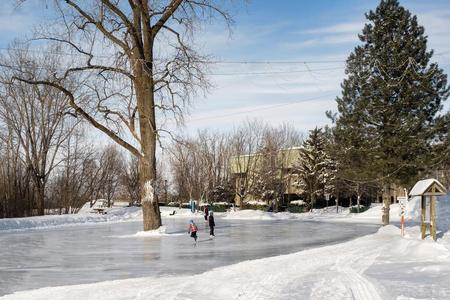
<point x="391" y="98"/>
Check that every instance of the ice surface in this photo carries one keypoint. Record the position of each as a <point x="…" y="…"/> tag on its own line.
<point x="92" y="253"/>
<point x="370" y="267"/>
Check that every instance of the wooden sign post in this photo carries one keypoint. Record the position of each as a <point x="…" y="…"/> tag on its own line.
<point x="402" y="201"/>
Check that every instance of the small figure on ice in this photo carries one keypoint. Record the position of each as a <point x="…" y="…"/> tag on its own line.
<point x="206" y="210"/>
<point x="193" y="230"/>
<point x="211" y="224"/>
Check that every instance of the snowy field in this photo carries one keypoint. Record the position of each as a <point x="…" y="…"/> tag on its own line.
<point x="382" y="265"/>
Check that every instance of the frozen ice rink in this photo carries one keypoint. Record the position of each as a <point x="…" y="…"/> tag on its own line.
<point x="91" y="253"/>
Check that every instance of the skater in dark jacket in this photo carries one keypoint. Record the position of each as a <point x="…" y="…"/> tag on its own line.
<point x="193" y="230"/>
<point x="211" y="224"/>
<point x="206" y="210"/>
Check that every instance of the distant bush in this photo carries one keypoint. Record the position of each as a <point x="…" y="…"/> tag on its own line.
<point x="296" y="209"/>
<point x="354" y="209"/>
<point x="219" y="207"/>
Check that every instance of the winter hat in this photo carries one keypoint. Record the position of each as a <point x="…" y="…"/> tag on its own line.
<point x="191" y="221"/>
<point x="211" y="213"/>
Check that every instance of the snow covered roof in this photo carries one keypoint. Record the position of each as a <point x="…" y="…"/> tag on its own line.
<point x="424" y="187"/>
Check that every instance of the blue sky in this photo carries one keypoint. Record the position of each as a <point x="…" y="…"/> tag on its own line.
<point x="299" y="31"/>
<point x="284" y="30"/>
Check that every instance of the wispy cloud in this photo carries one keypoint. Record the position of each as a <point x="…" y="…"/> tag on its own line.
<point x="303" y="114"/>
<point x="346" y="27"/>
<point x="437" y="24"/>
<point x="334" y="39"/>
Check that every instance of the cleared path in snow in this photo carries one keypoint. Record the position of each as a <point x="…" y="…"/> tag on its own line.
<point x="85" y="254"/>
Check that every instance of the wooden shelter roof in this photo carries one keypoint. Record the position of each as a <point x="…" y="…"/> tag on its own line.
<point x="425" y="188"/>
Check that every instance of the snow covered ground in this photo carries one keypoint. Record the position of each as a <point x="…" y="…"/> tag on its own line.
<point x="383" y="265"/>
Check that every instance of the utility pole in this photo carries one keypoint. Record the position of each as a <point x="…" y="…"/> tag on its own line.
<point x="358" y="200"/>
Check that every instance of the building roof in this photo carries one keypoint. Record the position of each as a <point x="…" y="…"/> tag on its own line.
<point x="424" y="187"/>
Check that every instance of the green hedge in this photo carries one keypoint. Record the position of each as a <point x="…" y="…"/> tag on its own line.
<point x="354" y="209"/>
<point x="296" y="209"/>
<point x="219" y="208"/>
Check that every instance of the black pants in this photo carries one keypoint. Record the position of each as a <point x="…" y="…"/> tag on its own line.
<point x="211" y="230"/>
<point x="194" y="235"/>
<point x="206" y="217"/>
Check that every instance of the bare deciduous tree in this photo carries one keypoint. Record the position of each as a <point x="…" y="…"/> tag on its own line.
<point x="131" y="180"/>
<point x="16" y="194"/>
<point x="200" y="165"/>
<point x="151" y="69"/>
<point x="111" y="170"/>
<point x="245" y="142"/>
<point x="36" y="116"/>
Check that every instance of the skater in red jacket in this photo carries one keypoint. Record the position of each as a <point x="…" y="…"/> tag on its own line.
<point x="193" y="230"/>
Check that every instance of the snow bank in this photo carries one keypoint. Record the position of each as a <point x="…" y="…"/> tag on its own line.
<point x="167" y="212"/>
<point x="113" y="215"/>
<point x="42" y="222"/>
<point x="250" y="214"/>
<point x="157" y="233"/>
<point x="152" y="233"/>
<point x="412" y="212"/>
<point x="256" y="202"/>
<point x="327" y="213"/>
<point x="330" y="211"/>
<point x="379" y="266"/>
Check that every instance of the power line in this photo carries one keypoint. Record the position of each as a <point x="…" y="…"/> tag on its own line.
<point x="243" y="62"/>
<point x="263" y="108"/>
<point x="274" y="72"/>
<point x="271" y="62"/>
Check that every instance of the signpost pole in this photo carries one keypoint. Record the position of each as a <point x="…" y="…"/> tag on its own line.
<point x="402" y="201"/>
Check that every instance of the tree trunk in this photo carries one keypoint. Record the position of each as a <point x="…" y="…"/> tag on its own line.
<point x="313" y="200"/>
<point x="358" y="198"/>
<point x="386" y="206"/>
<point x="150" y="208"/>
<point x="358" y="201"/>
<point x="147" y="128"/>
<point x="40" y="198"/>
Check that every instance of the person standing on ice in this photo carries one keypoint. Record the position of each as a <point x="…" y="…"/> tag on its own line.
<point x="193" y="230"/>
<point x="206" y="210"/>
<point x="211" y="224"/>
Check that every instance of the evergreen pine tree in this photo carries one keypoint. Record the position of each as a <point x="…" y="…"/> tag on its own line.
<point x="387" y="113"/>
<point x="314" y="167"/>
<point x="267" y="184"/>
